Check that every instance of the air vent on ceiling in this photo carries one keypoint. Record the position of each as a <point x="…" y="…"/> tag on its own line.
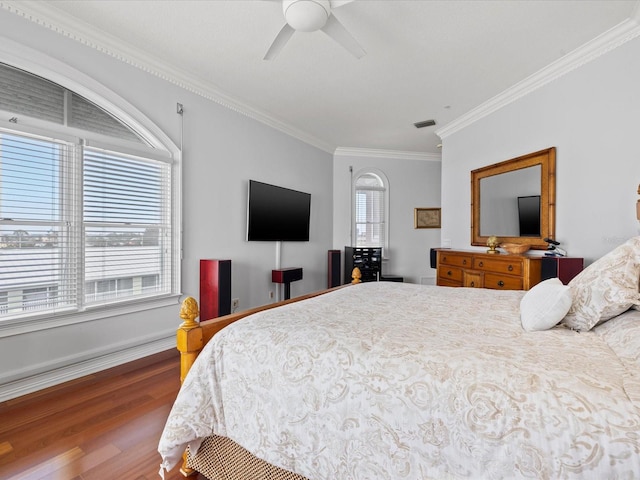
<point x="425" y="123"/>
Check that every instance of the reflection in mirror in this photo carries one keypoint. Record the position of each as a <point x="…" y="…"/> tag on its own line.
<point x="510" y="203"/>
<point x="515" y="200"/>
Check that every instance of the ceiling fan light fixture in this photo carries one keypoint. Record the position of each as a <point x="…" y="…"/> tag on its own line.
<point x="306" y="15"/>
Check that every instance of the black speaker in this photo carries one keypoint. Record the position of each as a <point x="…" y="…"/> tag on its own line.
<point x="548" y="269"/>
<point x="433" y="258"/>
<point x="333" y="266"/>
<point x="215" y="288"/>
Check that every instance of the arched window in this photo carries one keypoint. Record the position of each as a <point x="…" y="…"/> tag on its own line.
<point x="87" y="208"/>
<point x="371" y="209"/>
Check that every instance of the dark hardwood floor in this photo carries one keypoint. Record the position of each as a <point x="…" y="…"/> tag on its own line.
<point x="104" y="426"/>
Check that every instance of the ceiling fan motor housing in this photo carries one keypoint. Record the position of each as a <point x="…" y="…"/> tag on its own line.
<point x="306" y="15"/>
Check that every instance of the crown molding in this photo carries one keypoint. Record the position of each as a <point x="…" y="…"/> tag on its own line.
<point x="388" y="154"/>
<point x="46" y="16"/>
<point x="607" y="41"/>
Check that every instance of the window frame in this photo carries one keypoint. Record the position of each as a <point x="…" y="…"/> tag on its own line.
<point x="160" y="147"/>
<point x="385" y="188"/>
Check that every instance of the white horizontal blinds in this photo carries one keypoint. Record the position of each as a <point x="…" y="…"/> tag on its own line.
<point x="370" y="211"/>
<point x="126" y="226"/>
<point x="38" y="269"/>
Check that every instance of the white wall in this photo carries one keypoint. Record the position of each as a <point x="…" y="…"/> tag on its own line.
<point x="222" y="151"/>
<point x="412" y="183"/>
<point x="591" y="115"/>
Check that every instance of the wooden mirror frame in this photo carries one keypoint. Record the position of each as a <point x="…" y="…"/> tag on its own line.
<point x="547" y="161"/>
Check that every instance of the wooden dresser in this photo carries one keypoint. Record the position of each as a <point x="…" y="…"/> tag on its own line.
<point x="458" y="268"/>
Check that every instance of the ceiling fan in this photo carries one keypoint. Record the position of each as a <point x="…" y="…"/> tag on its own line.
<point x="310" y="16"/>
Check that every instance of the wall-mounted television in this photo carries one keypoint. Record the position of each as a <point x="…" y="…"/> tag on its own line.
<point x="529" y="215"/>
<point x="277" y="213"/>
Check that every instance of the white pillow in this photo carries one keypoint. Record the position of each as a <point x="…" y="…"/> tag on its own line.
<point x="606" y="288"/>
<point x="545" y="305"/>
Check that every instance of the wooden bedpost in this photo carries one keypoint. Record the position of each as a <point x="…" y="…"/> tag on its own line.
<point x="189" y="336"/>
<point x="189" y="341"/>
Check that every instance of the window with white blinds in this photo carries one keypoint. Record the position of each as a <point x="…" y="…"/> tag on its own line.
<point x="38" y="266"/>
<point x="83" y="224"/>
<point x="126" y="210"/>
<point x="370" y="211"/>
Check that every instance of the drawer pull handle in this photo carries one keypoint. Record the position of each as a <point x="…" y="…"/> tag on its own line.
<point x="510" y="268"/>
<point x="464" y="262"/>
<point x="481" y="264"/>
<point x="449" y="273"/>
<point x="473" y="284"/>
<point x="500" y="283"/>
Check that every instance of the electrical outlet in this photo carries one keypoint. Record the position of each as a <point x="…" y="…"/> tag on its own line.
<point x="235" y="303"/>
<point x="271" y="294"/>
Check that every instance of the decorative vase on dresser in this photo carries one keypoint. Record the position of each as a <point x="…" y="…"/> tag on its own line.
<point x="459" y="268"/>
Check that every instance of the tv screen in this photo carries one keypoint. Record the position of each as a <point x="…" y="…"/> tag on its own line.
<point x="277" y="213"/>
<point x="529" y="216"/>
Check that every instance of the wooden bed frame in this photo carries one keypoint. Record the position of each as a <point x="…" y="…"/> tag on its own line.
<point x="192" y="336"/>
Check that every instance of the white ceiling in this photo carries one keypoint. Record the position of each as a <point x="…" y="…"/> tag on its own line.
<point x="426" y="59"/>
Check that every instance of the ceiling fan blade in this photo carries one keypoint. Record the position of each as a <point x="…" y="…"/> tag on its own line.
<point x="279" y="42"/>
<point x="336" y="30"/>
<point x="338" y="3"/>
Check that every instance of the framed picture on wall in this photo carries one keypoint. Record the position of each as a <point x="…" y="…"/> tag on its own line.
<point x="426" y="217"/>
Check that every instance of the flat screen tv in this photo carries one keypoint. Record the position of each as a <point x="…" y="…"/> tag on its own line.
<point x="529" y="215"/>
<point x="277" y="213"/>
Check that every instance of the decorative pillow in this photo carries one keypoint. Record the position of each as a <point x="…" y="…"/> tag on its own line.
<point x="606" y="288"/>
<point x="545" y="305"/>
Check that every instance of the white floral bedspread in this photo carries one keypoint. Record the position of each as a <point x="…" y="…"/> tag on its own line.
<point x="399" y="381"/>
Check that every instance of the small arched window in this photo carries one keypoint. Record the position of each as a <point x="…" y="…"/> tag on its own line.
<point x="371" y="209"/>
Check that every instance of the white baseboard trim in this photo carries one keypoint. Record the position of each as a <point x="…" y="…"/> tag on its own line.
<point x="60" y="375"/>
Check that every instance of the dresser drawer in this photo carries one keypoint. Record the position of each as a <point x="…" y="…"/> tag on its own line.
<point x="450" y="274"/>
<point x="456" y="259"/>
<point x="459" y="268"/>
<point x="472" y="279"/>
<point x="502" y="282"/>
<point x="497" y="265"/>
<point x="443" y="282"/>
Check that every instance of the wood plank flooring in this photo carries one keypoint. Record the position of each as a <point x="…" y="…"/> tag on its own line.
<point x="104" y="426"/>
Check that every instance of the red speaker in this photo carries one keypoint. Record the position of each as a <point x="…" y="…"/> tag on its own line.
<point x="334" y="275"/>
<point x="215" y="288"/>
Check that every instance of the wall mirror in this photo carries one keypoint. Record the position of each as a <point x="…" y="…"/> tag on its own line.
<point x="515" y="200"/>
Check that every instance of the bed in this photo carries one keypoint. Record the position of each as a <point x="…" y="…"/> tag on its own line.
<point x="387" y="380"/>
